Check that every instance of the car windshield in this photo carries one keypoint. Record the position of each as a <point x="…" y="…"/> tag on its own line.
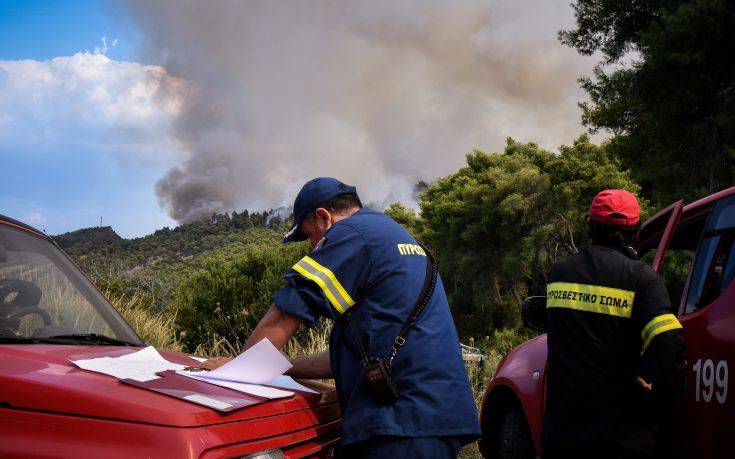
<point x="43" y="295"/>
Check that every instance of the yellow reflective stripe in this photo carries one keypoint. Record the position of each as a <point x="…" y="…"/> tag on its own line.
<point x="590" y="298"/>
<point x="321" y="284"/>
<point x="658" y="325"/>
<point x="331" y="276"/>
<point x="325" y="279"/>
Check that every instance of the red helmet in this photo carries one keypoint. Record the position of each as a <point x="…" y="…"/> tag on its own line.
<point x="615" y="207"/>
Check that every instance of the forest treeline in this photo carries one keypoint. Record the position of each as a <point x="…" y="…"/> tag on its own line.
<point x="662" y="92"/>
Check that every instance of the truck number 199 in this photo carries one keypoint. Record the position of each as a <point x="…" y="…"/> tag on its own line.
<point x="709" y="375"/>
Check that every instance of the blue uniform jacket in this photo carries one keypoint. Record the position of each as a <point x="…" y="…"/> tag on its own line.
<point x="370" y="266"/>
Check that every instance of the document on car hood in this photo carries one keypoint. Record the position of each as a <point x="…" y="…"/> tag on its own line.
<point x="287" y="382"/>
<point x="141" y="365"/>
<point x="258" y="371"/>
<point x="258" y="365"/>
<point x="251" y="389"/>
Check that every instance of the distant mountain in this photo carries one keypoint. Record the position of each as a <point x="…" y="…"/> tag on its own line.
<point x="97" y="234"/>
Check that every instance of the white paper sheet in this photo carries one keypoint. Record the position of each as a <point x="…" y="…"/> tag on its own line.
<point x="287" y="382"/>
<point x="259" y="364"/>
<point x="140" y="366"/>
<point x="198" y="359"/>
<point x="252" y="389"/>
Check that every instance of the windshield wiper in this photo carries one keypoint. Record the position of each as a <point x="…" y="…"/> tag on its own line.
<point x="9" y="339"/>
<point x="92" y="338"/>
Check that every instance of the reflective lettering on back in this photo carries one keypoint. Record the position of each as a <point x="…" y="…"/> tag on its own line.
<point x="591" y="298"/>
<point x="410" y="249"/>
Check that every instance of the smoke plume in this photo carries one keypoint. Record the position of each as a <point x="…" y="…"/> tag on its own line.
<point x="377" y="93"/>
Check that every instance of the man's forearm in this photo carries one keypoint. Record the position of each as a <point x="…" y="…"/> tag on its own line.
<point x="277" y="326"/>
<point x="663" y="364"/>
<point x="317" y="366"/>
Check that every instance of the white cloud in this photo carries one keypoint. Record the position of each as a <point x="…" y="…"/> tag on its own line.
<point x="88" y="100"/>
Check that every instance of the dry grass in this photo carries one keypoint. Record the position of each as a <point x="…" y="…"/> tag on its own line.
<point x="155" y="329"/>
<point x="158" y="330"/>
<point x="310" y="341"/>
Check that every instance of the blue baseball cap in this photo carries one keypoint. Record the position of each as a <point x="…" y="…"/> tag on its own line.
<point x="312" y="195"/>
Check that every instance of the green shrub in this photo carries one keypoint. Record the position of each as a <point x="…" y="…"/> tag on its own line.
<point x="225" y="298"/>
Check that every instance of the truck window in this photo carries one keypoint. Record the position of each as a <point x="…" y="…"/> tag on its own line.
<point x="679" y="255"/>
<point x="714" y="265"/>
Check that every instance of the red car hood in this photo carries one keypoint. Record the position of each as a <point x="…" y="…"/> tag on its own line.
<point x="41" y="377"/>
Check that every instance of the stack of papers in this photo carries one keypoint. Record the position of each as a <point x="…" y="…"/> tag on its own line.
<point x="140" y="366"/>
<point x="258" y="371"/>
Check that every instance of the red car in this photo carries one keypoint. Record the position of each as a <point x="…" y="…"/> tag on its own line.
<point x="693" y="248"/>
<point x="50" y="408"/>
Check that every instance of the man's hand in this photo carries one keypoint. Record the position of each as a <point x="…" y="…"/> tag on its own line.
<point x="214" y="362"/>
<point x="643" y="384"/>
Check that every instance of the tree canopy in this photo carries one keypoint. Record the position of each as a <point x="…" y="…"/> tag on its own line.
<point x="497" y="224"/>
<point x="672" y="107"/>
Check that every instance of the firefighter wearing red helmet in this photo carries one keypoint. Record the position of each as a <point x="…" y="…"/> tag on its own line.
<point x="615" y="347"/>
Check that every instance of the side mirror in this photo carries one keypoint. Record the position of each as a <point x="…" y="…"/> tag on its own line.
<point x="533" y="313"/>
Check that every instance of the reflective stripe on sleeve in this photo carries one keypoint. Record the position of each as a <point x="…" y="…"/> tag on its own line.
<point x="590" y="298"/>
<point x="325" y="279"/>
<point x="658" y="324"/>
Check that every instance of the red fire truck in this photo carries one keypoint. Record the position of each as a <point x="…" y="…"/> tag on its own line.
<point x="693" y="247"/>
<point x="50" y="313"/>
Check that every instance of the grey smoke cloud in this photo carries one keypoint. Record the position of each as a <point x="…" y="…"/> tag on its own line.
<point x="378" y="93"/>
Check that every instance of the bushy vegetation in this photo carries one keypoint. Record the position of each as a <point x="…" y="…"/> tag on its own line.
<point x="665" y="88"/>
<point x="226" y="298"/>
<point x="153" y="266"/>
<point x="498" y="224"/>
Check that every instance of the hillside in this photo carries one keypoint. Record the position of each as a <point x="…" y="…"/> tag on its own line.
<point x="167" y="247"/>
<point x="156" y="264"/>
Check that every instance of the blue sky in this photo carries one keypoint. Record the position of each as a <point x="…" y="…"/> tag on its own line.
<point x="44" y="29"/>
<point x="62" y="169"/>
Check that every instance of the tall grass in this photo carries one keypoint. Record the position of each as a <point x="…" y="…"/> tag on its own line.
<point x="156" y="329"/>
<point x="310" y="340"/>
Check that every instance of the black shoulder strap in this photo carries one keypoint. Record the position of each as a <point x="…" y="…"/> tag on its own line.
<point x="421" y="301"/>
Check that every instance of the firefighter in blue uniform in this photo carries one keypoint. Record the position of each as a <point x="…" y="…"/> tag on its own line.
<point x="365" y="264"/>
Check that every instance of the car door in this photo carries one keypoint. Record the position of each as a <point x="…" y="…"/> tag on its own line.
<point x="656" y="234"/>
<point x="706" y="414"/>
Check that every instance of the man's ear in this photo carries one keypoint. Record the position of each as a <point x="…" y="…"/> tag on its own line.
<point x="323" y="215"/>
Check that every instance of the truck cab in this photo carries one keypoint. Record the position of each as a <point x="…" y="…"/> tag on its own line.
<point x="51" y="314"/>
<point x="693" y="248"/>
